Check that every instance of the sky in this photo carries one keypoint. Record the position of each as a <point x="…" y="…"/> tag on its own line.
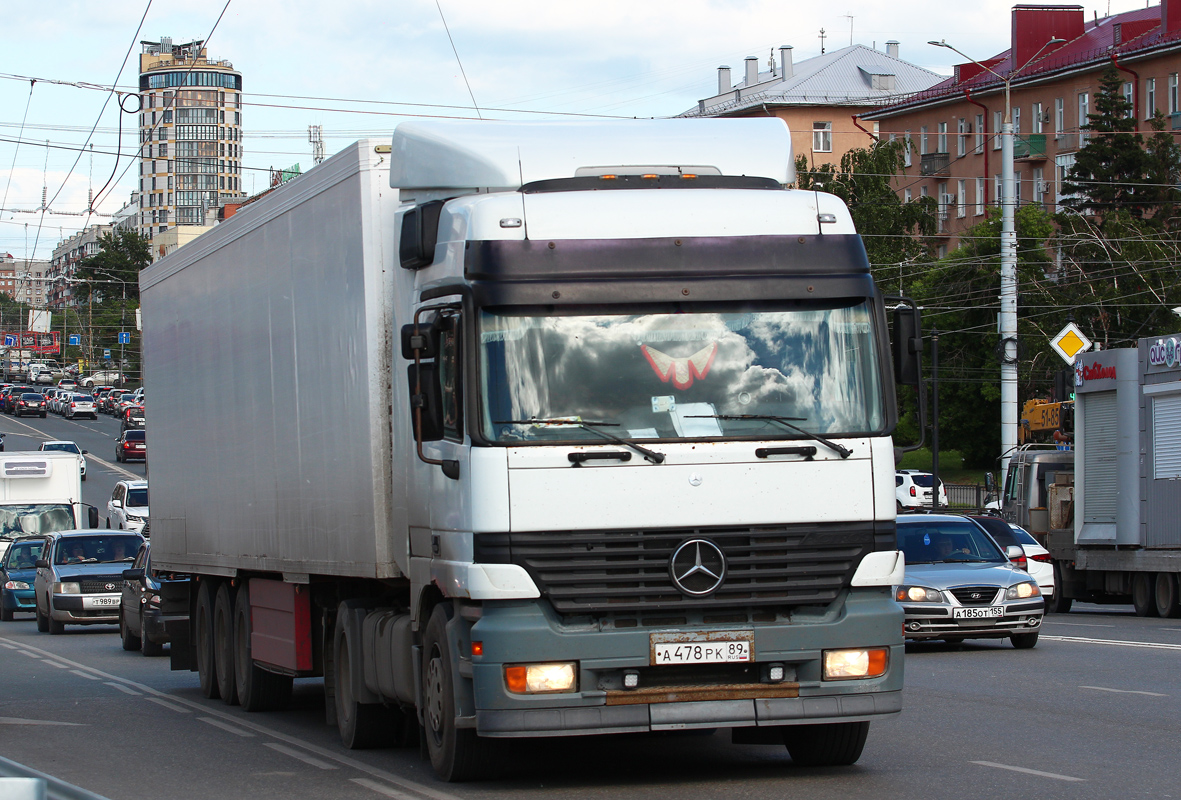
<point x="363" y="66"/>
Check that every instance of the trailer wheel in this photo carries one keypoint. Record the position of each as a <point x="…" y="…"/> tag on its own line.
<point x="258" y="690"/>
<point x="1143" y="594"/>
<point x="836" y="744"/>
<point x="223" y="644"/>
<point x="203" y="629"/>
<point x="1167" y="604"/>
<point x="457" y="754"/>
<point x="361" y="725"/>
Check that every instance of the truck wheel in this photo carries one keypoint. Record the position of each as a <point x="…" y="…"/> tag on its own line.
<point x="361" y="725"/>
<point x="130" y="642"/>
<point x="1143" y="594"/>
<point x="1024" y="641"/>
<point x="203" y="632"/>
<point x="258" y="690"/>
<point x="223" y="644"/>
<point x="836" y="744"/>
<point x="1167" y="604"/>
<point x="457" y="754"/>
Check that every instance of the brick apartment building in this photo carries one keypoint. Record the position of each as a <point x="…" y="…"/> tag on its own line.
<point x="954" y="127"/>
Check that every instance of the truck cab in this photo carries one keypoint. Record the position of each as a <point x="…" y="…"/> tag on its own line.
<point x="1033" y="468"/>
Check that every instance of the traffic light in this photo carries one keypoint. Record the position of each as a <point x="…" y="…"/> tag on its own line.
<point x="1063" y="390"/>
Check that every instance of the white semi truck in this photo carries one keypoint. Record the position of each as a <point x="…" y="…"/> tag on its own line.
<point x="41" y="492"/>
<point x="536" y="430"/>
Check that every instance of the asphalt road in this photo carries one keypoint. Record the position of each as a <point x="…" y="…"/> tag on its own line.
<point x="1091" y="712"/>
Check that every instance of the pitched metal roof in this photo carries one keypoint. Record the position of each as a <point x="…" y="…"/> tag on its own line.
<point x="842" y="77"/>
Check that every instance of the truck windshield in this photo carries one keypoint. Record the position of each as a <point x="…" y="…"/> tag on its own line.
<point x="25" y="518"/>
<point x="669" y="374"/>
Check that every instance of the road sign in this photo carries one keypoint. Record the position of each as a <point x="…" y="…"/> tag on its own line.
<point x="9" y="340"/>
<point x="75" y="339"/>
<point x="124" y="337"/>
<point x="106" y="354"/>
<point x="1069" y="342"/>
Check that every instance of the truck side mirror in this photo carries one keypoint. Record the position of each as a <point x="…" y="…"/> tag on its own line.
<point x="908" y="346"/>
<point x="41" y="564"/>
<point x="989" y="482"/>
<point x="91" y="517"/>
<point x="420" y="234"/>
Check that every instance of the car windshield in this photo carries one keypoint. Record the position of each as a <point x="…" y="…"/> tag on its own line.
<point x="681" y="374"/>
<point x="65" y="447"/>
<point x="137" y="497"/>
<point x="31" y="518"/>
<point x="96" y="549"/>
<point x="929" y="541"/>
<point x="23" y="555"/>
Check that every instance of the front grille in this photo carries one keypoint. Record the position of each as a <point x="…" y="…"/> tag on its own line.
<point x="97" y="584"/>
<point x="621" y="572"/>
<point x="985" y="595"/>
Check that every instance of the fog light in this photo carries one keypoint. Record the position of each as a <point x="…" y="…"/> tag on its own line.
<point x="776" y="673"/>
<point x="631" y="679"/>
<point x="541" y="678"/>
<point x="840" y="665"/>
<point x="914" y="626"/>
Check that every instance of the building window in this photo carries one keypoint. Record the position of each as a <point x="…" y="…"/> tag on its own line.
<point x="961" y="137"/>
<point x="961" y="198"/>
<point x="1017" y="120"/>
<point x="924" y="191"/>
<point x="906" y="150"/>
<point x="1150" y="98"/>
<point x="822" y="137"/>
<point x="163" y="149"/>
<point x="1017" y="189"/>
<point x="1173" y="93"/>
<point x="907" y="195"/>
<point x="1039" y="186"/>
<point x="997" y="188"/>
<point x="1036" y="122"/>
<point x="1128" y="97"/>
<point x="168" y="115"/>
<point x="923" y="140"/>
<point x="979" y="133"/>
<point x="997" y="121"/>
<point x="1084" y="105"/>
<point x="1059" y="116"/>
<point x="942" y="138"/>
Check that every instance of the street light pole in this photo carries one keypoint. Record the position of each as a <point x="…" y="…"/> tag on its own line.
<point x="1007" y="323"/>
<point x="122" y="318"/>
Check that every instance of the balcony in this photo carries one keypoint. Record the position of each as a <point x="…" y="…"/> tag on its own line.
<point x="935" y="164"/>
<point x="1030" y="148"/>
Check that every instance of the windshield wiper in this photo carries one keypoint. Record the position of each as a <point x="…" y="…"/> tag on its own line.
<point x="843" y="452"/>
<point x="649" y="455"/>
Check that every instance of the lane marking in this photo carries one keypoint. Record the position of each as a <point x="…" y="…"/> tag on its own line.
<point x="225" y="726"/>
<point x="1123" y="691"/>
<point x="1027" y="771"/>
<point x="54" y="663"/>
<point x="125" y="689"/>
<point x="169" y="706"/>
<point x="19" y="721"/>
<point x="343" y="760"/>
<point x="28" y="653"/>
<point x="9" y="646"/>
<point x="1171" y="629"/>
<point x="85" y="675"/>
<point x="385" y="791"/>
<point x="1078" y="624"/>
<point x="291" y="751"/>
<point x="1116" y="642"/>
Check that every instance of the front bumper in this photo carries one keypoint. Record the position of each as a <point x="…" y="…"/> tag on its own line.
<point x="521" y="632"/>
<point x="18" y="599"/>
<point x="81" y="609"/>
<point x="934" y="621"/>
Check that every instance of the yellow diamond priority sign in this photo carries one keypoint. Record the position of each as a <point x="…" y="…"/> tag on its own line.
<point x="1069" y="342"/>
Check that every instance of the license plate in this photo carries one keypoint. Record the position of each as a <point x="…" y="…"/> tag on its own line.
<point x="989" y="612"/>
<point x="139" y="447"/>
<point x="100" y="602"/>
<point x="711" y="647"/>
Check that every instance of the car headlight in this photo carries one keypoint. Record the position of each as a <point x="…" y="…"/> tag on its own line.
<point x="67" y="587"/>
<point x="134" y="518"/>
<point x="918" y="594"/>
<point x="539" y="678"/>
<point x="1021" y="591"/>
<point x="17" y="585"/>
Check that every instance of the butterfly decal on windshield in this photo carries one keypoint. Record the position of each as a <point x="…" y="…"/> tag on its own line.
<point x="681" y="371"/>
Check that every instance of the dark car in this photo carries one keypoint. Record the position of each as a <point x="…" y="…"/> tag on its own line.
<point x="79" y="576"/>
<point x="143" y="616"/>
<point x="111" y="400"/>
<point x="132" y="445"/>
<point x="30" y="403"/>
<point x="13" y="395"/>
<point x="18" y="569"/>
<point x="131" y="418"/>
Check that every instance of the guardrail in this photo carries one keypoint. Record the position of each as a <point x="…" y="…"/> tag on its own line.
<point x="967" y="496"/>
<point x="25" y="783"/>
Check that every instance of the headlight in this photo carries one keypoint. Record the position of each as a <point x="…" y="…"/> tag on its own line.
<point x="69" y="587"/>
<point x="850" y="664"/>
<point x="535" y="678"/>
<point x="918" y="594"/>
<point x="17" y="585"/>
<point x="134" y="518"/>
<point x="1022" y="591"/>
<point x="154" y="600"/>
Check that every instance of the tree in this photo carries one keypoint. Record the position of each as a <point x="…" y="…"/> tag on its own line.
<point x="121" y="256"/>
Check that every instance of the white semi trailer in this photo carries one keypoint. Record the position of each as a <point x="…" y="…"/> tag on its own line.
<point x="517" y="430"/>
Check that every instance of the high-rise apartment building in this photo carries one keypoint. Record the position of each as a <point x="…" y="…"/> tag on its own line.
<point x="190" y="135"/>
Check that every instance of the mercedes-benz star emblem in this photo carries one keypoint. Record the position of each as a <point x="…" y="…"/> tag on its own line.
<point x="697" y="567"/>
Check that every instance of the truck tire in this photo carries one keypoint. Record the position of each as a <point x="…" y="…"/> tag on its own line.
<point x="1144" y="594"/>
<point x="836" y="744"/>
<point x="203" y="636"/>
<point x="457" y="754"/>
<point x="1167" y="603"/>
<point x="1024" y="641"/>
<point x="258" y="690"/>
<point x="130" y="641"/>
<point x="362" y="725"/>
<point x="223" y="644"/>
